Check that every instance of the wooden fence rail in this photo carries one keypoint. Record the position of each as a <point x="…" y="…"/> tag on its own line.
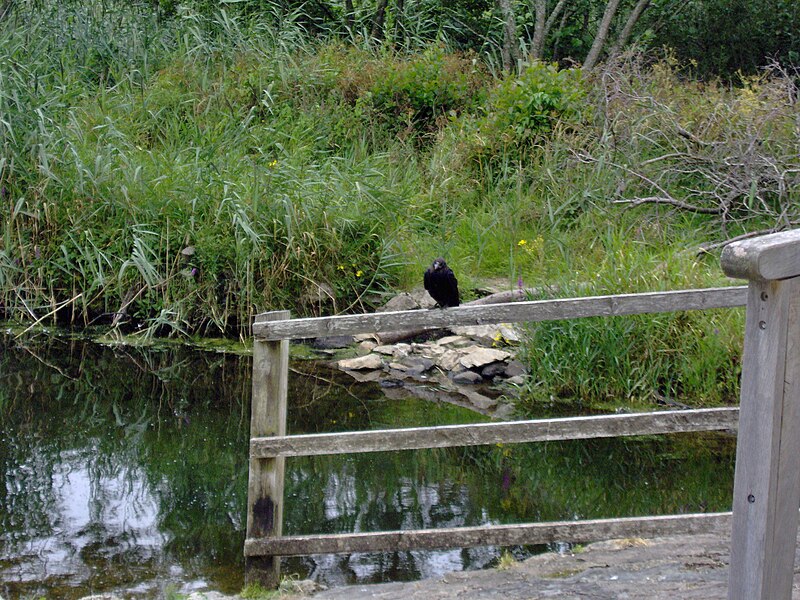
<point x="514" y="432"/>
<point x="491" y="535"/>
<point x="767" y="480"/>
<point x="512" y="312"/>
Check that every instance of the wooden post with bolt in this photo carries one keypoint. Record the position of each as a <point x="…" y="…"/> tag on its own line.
<point x="267" y="418"/>
<point x="767" y="481"/>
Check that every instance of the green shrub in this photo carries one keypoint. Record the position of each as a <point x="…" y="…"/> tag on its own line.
<point x="414" y="95"/>
<point x="523" y="109"/>
<point x="422" y="93"/>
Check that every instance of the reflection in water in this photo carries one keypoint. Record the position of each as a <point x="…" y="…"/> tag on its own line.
<point x="125" y="469"/>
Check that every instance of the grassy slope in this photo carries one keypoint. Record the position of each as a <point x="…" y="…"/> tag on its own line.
<point x="194" y="174"/>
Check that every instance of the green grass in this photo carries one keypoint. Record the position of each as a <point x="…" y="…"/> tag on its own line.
<point x="176" y="176"/>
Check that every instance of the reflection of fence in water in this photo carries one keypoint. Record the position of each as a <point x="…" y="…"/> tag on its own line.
<point x="767" y="483"/>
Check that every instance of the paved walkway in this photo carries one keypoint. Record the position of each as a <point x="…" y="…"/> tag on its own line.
<point x="691" y="567"/>
<point x="670" y="568"/>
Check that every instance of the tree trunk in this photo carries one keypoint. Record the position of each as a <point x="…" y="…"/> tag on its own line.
<point x="556" y="48"/>
<point x="5" y="9"/>
<point x="510" y="51"/>
<point x="601" y="36"/>
<point x="398" y="19"/>
<point x="348" y="16"/>
<point x="537" y="45"/>
<point x="553" y="16"/>
<point x="518" y="295"/>
<point x="640" y="7"/>
<point x="380" y="17"/>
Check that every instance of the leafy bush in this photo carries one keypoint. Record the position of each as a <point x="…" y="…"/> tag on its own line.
<point x="414" y="95"/>
<point x="423" y="92"/>
<point x="523" y="109"/>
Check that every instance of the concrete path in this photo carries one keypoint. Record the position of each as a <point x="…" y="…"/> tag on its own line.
<point x="691" y="567"/>
<point x="670" y="568"/>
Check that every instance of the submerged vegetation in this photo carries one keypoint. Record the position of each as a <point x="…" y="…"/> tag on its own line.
<point x="176" y="175"/>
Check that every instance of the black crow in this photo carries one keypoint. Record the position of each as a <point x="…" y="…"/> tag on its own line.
<point x="441" y="284"/>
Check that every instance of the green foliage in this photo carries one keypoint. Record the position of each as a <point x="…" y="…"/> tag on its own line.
<point x="421" y="94"/>
<point x="541" y="95"/>
<point x="523" y="110"/>
<point x="255" y="591"/>
<point x="724" y="38"/>
<point x="642" y="360"/>
<point x="690" y="358"/>
<point x="221" y="165"/>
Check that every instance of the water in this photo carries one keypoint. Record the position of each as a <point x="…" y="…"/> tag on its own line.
<point x="125" y="469"/>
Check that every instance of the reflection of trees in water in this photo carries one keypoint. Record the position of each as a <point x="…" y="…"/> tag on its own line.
<point x="163" y="433"/>
<point x="161" y="427"/>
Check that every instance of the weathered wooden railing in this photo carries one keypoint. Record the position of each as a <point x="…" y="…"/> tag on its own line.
<point x="767" y="479"/>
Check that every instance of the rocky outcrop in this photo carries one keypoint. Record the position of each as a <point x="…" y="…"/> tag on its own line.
<point x="461" y="368"/>
<point x="453" y="356"/>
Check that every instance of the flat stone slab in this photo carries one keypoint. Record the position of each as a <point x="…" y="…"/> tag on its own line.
<point x="483" y="356"/>
<point x="689" y="567"/>
<point x="370" y="361"/>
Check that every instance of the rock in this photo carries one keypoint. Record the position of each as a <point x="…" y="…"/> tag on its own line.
<point x="401" y="350"/>
<point x="370" y="361"/>
<point x="317" y="293"/>
<point x="403" y="301"/>
<point x="304" y="587"/>
<point x="515" y="368"/>
<point x="494" y="369"/>
<point x="368" y="345"/>
<point x="395" y="350"/>
<point x="449" y="360"/>
<point x="509" y="333"/>
<point x="485" y="334"/>
<point x="483" y="356"/>
<point x="391" y="383"/>
<point x="504" y="411"/>
<point x="420" y="363"/>
<point x="516" y="380"/>
<point x="479" y="401"/>
<point x="398" y="366"/>
<point x="452" y="340"/>
<point x="467" y="378"/>
<point x="413" y="300"/>
<point x="489" y="334"/>
<point x="430" y="351"/>
<point x="366" y="376"/>
<point x="363" y="337"/>
<point x="102" y="597"/>
<point x="333" y="342"/>
<point x="387" y="350"/>
<point x="458" y="368"/>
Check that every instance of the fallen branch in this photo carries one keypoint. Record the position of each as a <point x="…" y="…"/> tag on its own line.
<point x="672" y="202"/>
<point x="517" y="295"/>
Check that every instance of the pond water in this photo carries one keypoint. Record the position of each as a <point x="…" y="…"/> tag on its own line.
<point x="124" y="469"/>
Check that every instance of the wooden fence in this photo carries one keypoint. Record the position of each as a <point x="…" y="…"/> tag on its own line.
<point x="767" y="479"/>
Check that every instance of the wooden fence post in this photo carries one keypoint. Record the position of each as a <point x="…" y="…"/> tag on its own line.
<point x="766" y="492"/>
<point x="267" y="418"/>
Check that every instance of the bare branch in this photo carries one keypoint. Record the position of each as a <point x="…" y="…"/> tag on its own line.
<point x="671" y="201"/>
